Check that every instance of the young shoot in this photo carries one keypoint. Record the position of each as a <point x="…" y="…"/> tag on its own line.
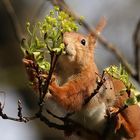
<point x="47" y="36"/>
<point x="120" y="74"/>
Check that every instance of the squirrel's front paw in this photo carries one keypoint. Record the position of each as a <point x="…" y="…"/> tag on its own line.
<point x="53" y="83"/>
<point x="53" y="79"/>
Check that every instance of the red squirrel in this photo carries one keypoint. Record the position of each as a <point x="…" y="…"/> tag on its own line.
<point x="77" y="75"/>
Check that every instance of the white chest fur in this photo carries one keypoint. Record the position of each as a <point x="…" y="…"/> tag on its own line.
<point x="93" y="119"/>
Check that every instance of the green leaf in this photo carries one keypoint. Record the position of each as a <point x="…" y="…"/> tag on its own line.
<point x="121" y="74"/>
<point x="44" y="65"/>
<point x="48" y="34"/>
<point x="131" y="101"/>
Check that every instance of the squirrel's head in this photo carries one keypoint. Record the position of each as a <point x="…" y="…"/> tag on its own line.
<point x="80" y="48"/>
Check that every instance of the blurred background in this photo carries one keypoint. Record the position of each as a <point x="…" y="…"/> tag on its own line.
<point x="122" y="18"/>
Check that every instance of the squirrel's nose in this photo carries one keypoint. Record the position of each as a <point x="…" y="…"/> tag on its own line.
<point x="65" y="48"/>
<point x="65" y="43"/>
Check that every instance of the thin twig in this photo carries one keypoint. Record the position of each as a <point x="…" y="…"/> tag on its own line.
<point x="60" y="118"/>
<point x="54" y="59"/>
<point x="14" y="20"/>
<point x="136" y="40"/>
<point x="99" y="85"/>
<point x="20" y="117"/>
<point x="101" y="39"/>
<point x="72" y="126"/>
<point x="55" y="116"/>
<point x="68" y="126"/>
<point x="48" y="123"/>
<point x="121" y="110"/>
<point x="20" y="110"/>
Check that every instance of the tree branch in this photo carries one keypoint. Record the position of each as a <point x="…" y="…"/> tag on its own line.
<point x="70" y="126"/>
<point x="20" y="117"/>
<point x="54" y="59"/>
<point x="136" y="41"/>
<point x="99" y="85"/>
<point x="14" y="20"/>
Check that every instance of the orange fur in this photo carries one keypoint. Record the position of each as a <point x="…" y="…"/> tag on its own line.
<point x="77" y="74"/>
<point x="131" y="115"/>
<point x="78" y="82"/>
<point x="72" y="94"/>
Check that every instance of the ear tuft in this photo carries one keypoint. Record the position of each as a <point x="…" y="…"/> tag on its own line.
<point x="93" y="37"/>
<point x="100" y="25"/>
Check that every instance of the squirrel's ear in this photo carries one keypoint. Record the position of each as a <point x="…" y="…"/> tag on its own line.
<point x="100" y="25"/>
<point x="93" y="37"/>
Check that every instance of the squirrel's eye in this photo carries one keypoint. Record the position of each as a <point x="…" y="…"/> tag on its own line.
<point x="83" y="42"/>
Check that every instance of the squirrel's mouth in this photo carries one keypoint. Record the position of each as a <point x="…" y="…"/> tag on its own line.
<point x="68" y="52"/>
